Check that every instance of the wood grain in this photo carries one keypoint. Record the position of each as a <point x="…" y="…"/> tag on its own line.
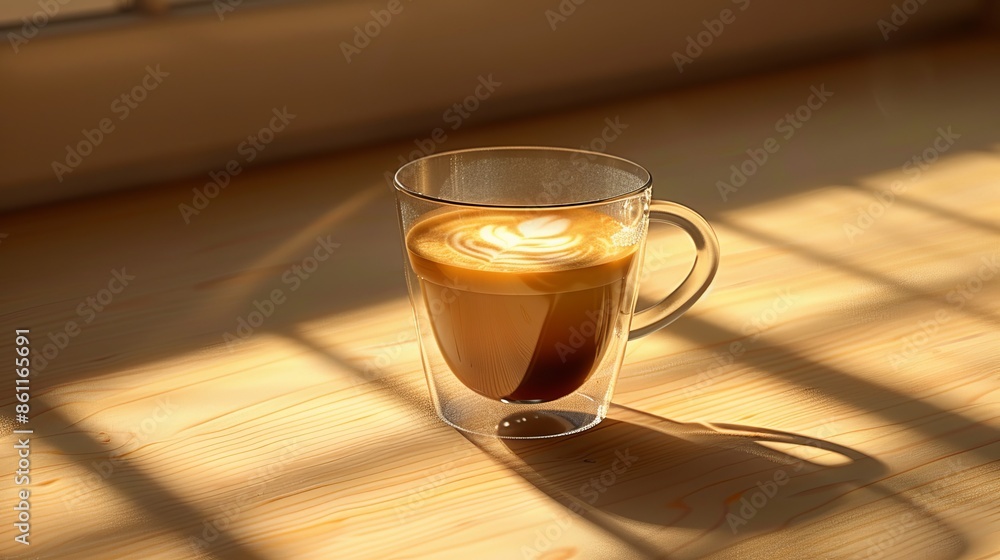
<point x="864" y="394"/>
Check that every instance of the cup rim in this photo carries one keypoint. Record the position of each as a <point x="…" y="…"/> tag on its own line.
<point x="399" y="186"/>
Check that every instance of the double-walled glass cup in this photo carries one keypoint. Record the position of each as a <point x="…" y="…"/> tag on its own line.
<point x="523" y="267"/>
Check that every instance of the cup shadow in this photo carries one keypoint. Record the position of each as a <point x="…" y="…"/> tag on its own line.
<point x="664" y="488"/>
<point x="691" y="490"/>
<point x="653" y="470"/>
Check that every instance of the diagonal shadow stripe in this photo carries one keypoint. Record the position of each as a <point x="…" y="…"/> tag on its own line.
<point x="168" y="510"/>
<point x="970" y="221"/>
<point x="969" y="308"/>
<point x="849" y="389"/>
<point x="861" y="394"/>
<point x="421" y="405"/>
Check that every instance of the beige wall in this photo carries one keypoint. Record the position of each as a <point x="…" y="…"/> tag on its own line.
<point x="225" y="77"/>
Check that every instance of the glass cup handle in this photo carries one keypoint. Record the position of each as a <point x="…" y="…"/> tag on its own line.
<point x="706" y="263"/>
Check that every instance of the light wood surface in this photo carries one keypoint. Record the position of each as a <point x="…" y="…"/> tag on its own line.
<point x="858" y="416"/>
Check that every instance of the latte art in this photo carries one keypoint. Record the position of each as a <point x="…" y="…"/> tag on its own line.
<point x="519" y="241"/>
<point x="529" y="242"/>
<point x="523" y="304"/>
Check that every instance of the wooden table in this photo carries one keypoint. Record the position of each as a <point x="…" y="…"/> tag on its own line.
<point x="856" y="418"/>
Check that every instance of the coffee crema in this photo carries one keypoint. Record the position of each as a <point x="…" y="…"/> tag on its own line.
<point x="523" y="303"/>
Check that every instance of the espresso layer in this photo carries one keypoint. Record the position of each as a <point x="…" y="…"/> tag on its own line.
<point x="523" y="304"/>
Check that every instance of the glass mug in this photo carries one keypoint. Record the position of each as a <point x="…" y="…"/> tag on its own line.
<point x="523" y="268"/>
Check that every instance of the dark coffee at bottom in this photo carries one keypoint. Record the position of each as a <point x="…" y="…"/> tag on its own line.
<point x="523" y="304"/>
